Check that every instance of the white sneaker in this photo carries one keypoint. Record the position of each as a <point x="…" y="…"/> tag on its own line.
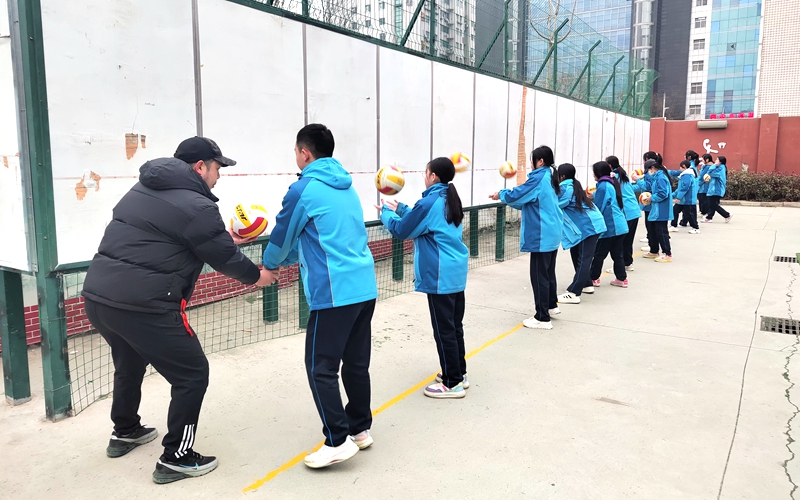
<point x="673" y="229"/>
<point x="588" y="289"/>
<point x="464" y="382"/>
<point x="694" y="231"/>
<point x="329" y="455"/>
<point x="629" y="268"/>
<point x="535" y="323"/>
<point x="568" y="298"/>
<point x="363" y="440"/>
<point x="644" y="240"/>
<point x="554" y="310"/>
<point x="646" y="248"/>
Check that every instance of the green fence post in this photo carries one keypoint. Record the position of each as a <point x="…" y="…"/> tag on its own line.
<point x="397" y="260"/>
<point x="433" y="28"/>
<point x="15" y="348"/>
<point x="500" y="235"/>
<point x="305" y="8"/>
<point x="36" y="143"/>
<point x="302" y="304"/>
<point x="269" y="300"/>
<point x="473" y="233"/>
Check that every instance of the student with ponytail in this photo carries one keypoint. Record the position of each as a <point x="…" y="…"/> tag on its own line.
<point x="702" y="187"/>
<point x="630" y="207"/>
<point x="660" y="212"/>
<point x="643" y="185"/>
<point x="542" y="222"/>
<point x="582" y="215"/>
<point x="717" y="183"/>
<point x="608" y="199"/>
<point x="441" y="260"/>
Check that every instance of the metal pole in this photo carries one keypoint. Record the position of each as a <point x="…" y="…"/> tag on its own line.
<point x="605" y="87"/>
<point x="633" y="86"/>
<point x="16" y="375"/>
<point x="586" y="68"/>
<point x="549" y="53"/>
<point x="412" y="23"/>
<point x="500" y="234"/>
<point x="433" y="28"/>
<point x="505" y="38"/>
<point x="494" y="39"/>
<point x="52" y="318"/>
<point x="474" y="229"/>
<point x="397" y="260"/>
<point x="305" y="8"/>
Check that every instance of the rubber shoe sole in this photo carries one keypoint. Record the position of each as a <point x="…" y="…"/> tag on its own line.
<point x="364" y="443"/>
<point x="166" y="473"/>
<point x="317" y="461"/>
<point x="118" y="447"/>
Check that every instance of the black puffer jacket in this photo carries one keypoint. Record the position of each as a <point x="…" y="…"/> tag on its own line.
<point x="161" y="233"/>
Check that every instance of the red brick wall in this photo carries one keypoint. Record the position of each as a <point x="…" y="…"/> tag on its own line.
<point x="210" y="287"/>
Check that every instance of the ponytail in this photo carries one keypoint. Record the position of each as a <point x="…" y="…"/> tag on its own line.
<point x="545" y="154"/>
<point x="617" y="169"/>
<point x="567" y="171"/>
<point x="444" y="169"/>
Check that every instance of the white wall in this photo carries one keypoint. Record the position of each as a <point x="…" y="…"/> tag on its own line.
<point x="14" y="250"/>
<point x="130" y="70"/>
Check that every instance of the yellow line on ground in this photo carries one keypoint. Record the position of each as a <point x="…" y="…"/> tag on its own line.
<point x="299" y="458"/>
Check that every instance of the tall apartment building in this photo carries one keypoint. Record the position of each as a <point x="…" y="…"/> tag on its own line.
<point x="778" y="88"/>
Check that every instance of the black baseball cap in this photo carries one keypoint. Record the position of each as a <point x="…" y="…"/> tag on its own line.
<point x="650" y="163"/>
<point x="201" y="148"/>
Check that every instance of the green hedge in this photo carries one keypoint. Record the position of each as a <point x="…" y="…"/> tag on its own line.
<point x="765" y="186"/>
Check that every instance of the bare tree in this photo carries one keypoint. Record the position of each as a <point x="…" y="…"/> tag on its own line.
<point x="545" y="26"/>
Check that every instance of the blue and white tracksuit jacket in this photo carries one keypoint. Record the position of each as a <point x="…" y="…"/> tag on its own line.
<point x="321" y="224"/>
<point x="605" y="199"/>
<point x="588" y="222"/>
<point x="661" y="198"/>
<point x="542" y="220"/>
<point x="441" y="258"/>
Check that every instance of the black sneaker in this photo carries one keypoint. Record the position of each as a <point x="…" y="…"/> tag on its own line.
<point x="192" y="464"/>
<point x="119" y="445"/>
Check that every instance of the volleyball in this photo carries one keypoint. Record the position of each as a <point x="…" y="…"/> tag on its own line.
<point x="591" y="190"/>
<point x="644" y="198"/>
<point x="707" y="178"/>
<point x="508" y="170"/>
<point x="638" y="172"/>
<point x="249" y="221"/>
<point x="460" y="161"/>
<point x="389" y="180"/>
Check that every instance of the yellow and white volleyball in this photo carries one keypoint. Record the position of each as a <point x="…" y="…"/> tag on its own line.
<point x="644" y="198"/>
<point x="707" y="178"/>
<point x="638" y="173"/>
<point x="249" y="221"/>
<point x="460" y="161"/>
<point x="508" y="170"/>
<point x="389" y="180"/>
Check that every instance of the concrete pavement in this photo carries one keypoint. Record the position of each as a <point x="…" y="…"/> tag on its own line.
<point x="666" y="389"/>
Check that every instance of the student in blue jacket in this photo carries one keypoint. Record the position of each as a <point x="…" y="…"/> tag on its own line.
<point x="582" y="215"/>
<point x="643" y="185"/>
<point x="608" y="199"/>
<point x="677" y="210"/>
<point x="321" y="224"/>
<point x="630" y="206"/>
<point x="441" y="260"/>
<point x="540" y="234"/>
<point x="660" y="212"/>
<point x="685" y="198"/>
<point x="702" y="187"/>
<point x="717" y="183"/>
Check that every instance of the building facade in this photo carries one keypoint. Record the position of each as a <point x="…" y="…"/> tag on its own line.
<point x="779" y="73"/>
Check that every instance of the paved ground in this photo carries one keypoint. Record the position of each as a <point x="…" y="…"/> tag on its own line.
<point x="665" y="390"/>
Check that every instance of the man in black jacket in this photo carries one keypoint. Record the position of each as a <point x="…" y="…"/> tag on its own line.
<point x="136" y="289"/>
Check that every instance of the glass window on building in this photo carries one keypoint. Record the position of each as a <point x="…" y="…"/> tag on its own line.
<point x="701" y="3"/>
<point x="694" y="109"/>
<point x="697" y="88"/>
<point x="699" y="22"/>
<point x="699" y="44"/>
<point x="697" y="65"/>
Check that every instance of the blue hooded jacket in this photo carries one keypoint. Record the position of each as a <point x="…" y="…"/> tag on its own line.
<point x="703" y="185"/>
<point x="605" y="199"/>
<point x="321" y="224"/>
<point x="643" y="185"/>
<point x="441" y="258"/>
<point x="661" y="198"/>
<point x="542" y="220"/>
<point x="630" y="203"/>
<point x="686" y="193"/>
<point x="588" y="222"/>
<point x="719" y="180"/>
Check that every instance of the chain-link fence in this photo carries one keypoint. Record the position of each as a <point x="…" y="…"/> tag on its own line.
<point x="226" y="314"/>
<point x="540" y="43"/>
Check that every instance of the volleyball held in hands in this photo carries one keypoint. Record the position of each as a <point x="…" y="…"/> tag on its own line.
<point x="644" y="198"/>
<point x="249" y="221"/>
<point x="460" y="161"/>
<point x="508" y="170"/>
<point x="389" y="180"/>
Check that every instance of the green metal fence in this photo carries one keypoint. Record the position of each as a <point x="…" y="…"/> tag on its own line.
<point x="528" y="42"/>
<point x="233" y="315"/>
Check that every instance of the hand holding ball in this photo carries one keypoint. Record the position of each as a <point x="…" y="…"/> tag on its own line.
<point x="707" y="178"/>
<point x="249" y="221"/>
<point x="508" y="170"/>
<point x="389" y="180"/>
<point x="644" y="198"/>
